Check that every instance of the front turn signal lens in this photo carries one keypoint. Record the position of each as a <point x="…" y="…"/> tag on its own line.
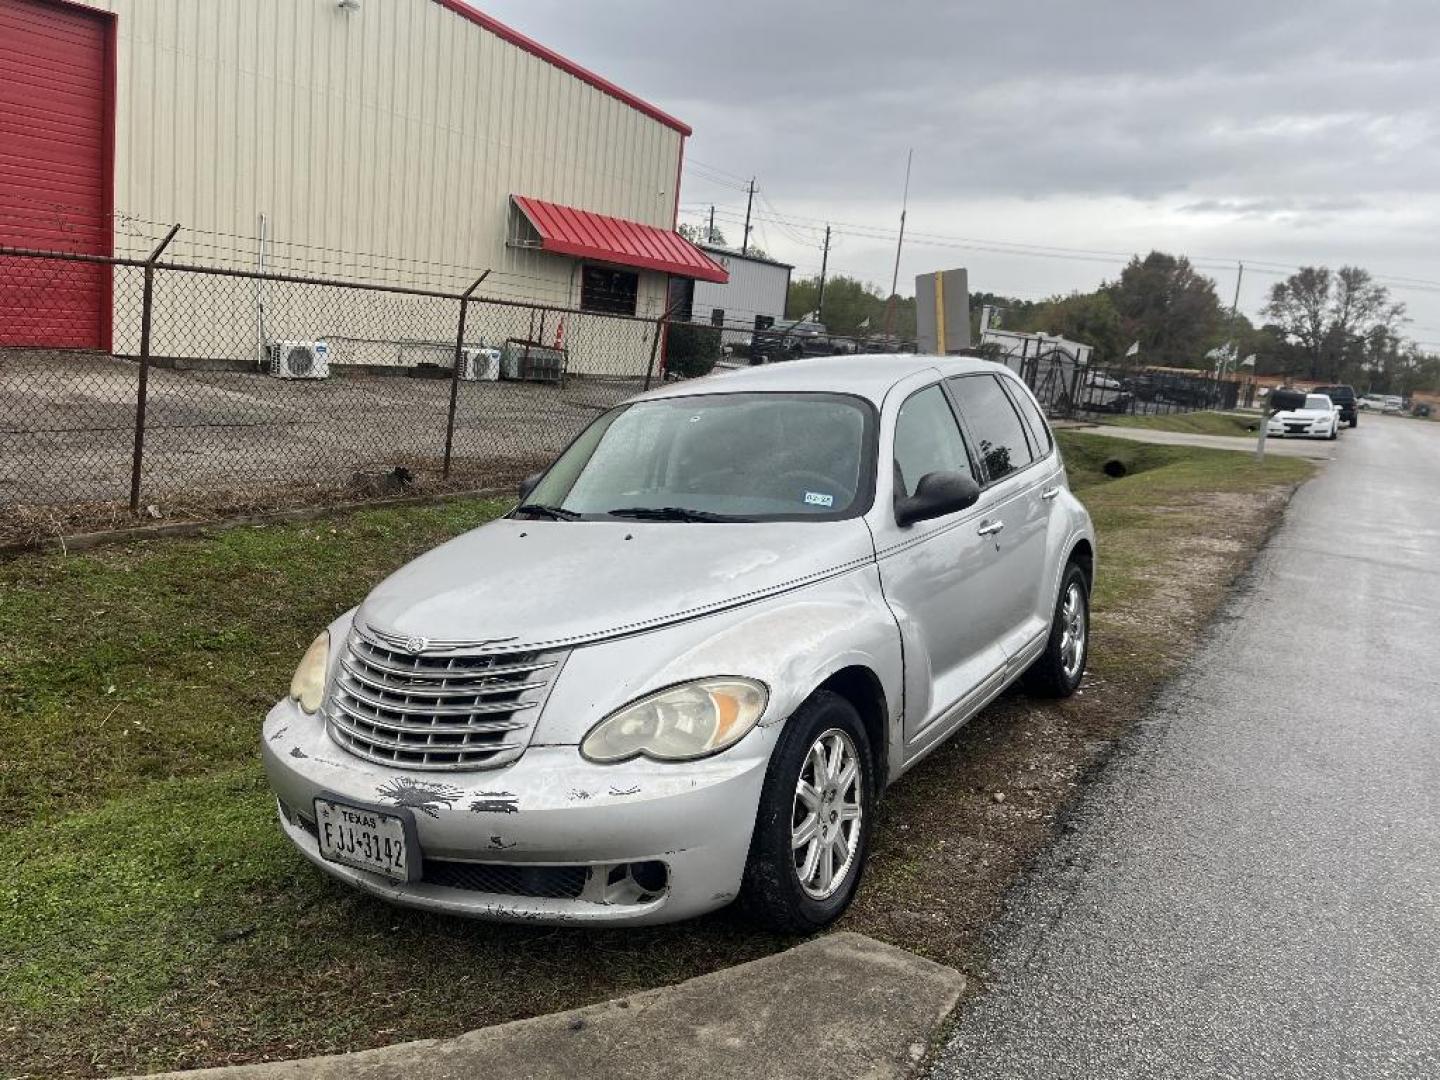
<point x="308" y="685"/>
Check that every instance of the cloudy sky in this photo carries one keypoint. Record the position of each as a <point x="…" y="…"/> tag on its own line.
<point x="1050" y="139"/>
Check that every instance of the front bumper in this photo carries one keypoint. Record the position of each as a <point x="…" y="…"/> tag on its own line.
<point x="1275" y="431"/>
<point x="682" y="828"/>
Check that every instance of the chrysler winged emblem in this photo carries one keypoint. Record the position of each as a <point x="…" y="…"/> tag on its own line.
<point x="415" y="644"/>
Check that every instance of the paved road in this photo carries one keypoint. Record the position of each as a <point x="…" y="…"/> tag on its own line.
<point x="1311" y="448"/>
<point x="1252" y="889"/>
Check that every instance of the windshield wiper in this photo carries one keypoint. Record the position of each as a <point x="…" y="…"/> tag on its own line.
<point x="554" y="513"/>
<point x="671" y="513"/>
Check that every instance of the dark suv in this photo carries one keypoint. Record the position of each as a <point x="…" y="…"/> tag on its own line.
<point x="1344" y="399"/>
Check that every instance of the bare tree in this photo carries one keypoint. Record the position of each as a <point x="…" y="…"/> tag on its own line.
<point x="1331" y="315"/>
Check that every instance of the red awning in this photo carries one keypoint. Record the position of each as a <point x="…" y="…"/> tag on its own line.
<point x="585" y="235"/>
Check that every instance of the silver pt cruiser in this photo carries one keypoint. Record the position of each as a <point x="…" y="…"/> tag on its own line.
<point x="682" y="671"/>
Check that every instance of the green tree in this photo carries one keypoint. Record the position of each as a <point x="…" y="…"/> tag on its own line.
<point x="849" y="303"/>
<point x="1168" y="307"/>
<point x="1089" y="318"/>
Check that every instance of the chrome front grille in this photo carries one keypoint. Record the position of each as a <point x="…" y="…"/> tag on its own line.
<point x="435" y="711"/>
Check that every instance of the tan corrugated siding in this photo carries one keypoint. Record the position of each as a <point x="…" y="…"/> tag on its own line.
<point x="399" y="131"/>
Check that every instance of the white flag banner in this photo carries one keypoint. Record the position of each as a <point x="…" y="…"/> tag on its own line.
<point x="864" y="323"/>
<point x="1249" y="361"/>
<point x="1133" y="350"/>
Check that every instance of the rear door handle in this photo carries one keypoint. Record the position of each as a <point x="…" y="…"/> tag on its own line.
<point x="1050" y="493"/>
<point x="990" y="528"/>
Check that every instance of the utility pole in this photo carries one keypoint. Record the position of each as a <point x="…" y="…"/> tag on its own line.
<point x="895" y="278"/>
<point x="710" y="232"/>
<point x="749" y="199"/>
<point x="824" y="261"/>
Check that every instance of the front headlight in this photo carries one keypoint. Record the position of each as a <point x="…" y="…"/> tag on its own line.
<point x="308" y="685"/>
<point x="681" y="723"/>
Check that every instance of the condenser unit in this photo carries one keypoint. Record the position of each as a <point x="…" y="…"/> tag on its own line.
<point x="300" y="360"/>
<point x="480" y="365"/>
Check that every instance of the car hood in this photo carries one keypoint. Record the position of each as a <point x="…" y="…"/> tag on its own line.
<point x="541" y="584"/>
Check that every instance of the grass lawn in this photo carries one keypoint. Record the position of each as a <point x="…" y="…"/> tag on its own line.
<point x="1194" y="423"/>
<point x="152" y="916"/>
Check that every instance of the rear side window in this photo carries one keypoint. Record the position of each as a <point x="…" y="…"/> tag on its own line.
<point x="1038" y="428"/>
<point x="993" y="422"/>
<point x="927" y="439"/>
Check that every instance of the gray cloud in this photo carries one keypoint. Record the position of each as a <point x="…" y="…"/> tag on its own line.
<point x="1258" y="120"/>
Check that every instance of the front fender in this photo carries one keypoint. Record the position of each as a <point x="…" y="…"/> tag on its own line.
<point x="792" y="643"/>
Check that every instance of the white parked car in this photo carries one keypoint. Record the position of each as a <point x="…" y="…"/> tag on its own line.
<point x="1317" y="418"/>
<point x="684" y="669"/>
<point x="1375" y="402"/>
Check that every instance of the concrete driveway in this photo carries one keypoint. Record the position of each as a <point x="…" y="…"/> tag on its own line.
<point x="1252" y="888"/>
<point x="1321" y="449"/>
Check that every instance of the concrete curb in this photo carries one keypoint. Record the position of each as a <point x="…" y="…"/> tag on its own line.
<point x="841" y="1007"/>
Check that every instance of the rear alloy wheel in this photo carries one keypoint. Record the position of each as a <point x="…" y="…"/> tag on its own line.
<point x="813" y="827"/>
<point x="1058" y="670"/>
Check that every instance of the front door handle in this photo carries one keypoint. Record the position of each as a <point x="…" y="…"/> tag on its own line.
<point x="990" y="528"/>
<point x="1050" y="493"/>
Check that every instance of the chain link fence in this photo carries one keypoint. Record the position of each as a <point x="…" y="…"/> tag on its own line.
<point x="228" y="391"/>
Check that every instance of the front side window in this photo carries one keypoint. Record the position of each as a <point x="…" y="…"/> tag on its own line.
<point x="927" y="439"/>
<point x="608" y="291"/>
<point x="994" y="423"/>
<point x="742" y="456"/>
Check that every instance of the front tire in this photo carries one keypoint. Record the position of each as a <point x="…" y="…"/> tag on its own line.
<point x="812" y="832"/>
<point x="1058" y="670"/>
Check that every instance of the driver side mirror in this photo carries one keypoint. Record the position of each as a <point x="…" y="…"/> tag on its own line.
<point x="937" y="494"/>
<point x="528" y="485"/>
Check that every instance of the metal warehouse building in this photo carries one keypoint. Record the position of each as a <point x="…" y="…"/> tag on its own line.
<point x="753" y="298"/>
<point x="413" y="142"/>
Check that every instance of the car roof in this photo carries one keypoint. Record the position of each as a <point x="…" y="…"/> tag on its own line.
<point x="867" y="375"/>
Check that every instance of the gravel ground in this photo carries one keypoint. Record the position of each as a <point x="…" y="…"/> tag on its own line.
<point x="67" y="428"/>
<point x="1253" y="887"/>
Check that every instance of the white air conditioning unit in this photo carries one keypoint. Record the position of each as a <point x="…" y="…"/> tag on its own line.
<point x="300" y="360"/>
<point x="480" y="365"/>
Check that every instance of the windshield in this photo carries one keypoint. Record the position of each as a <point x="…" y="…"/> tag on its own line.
<point x="748" y="457"/>
<point x="1318" y="401"/>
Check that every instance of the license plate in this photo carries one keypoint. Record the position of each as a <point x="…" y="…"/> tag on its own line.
<point x="364" y="838"/>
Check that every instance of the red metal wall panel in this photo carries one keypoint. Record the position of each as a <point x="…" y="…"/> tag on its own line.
<point x="56" y="97"/>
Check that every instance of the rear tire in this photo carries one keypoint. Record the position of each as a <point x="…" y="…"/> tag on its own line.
<point x="1355" y="422"/>
<point x="1058" y="670"/>
<point x="824" y="733"/>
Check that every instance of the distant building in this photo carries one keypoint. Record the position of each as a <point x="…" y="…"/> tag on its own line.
<point x="754" y="296"/>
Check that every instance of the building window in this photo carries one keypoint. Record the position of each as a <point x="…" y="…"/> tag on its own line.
<point x="607" y="291"/>
<point x="717" y="316"/>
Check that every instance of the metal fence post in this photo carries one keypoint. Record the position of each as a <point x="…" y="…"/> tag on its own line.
<point x="654" y="349"/>
<point x="455" y="373"/>
<point x="142" y="388"/>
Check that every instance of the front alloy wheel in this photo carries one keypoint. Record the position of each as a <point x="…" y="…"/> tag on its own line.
<point x="827" y="815"/>
<point x="1058" y="670"/>
<point x="812" y="828"/>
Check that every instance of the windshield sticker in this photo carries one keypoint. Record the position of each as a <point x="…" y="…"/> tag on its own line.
<point x="815" y="498"/>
